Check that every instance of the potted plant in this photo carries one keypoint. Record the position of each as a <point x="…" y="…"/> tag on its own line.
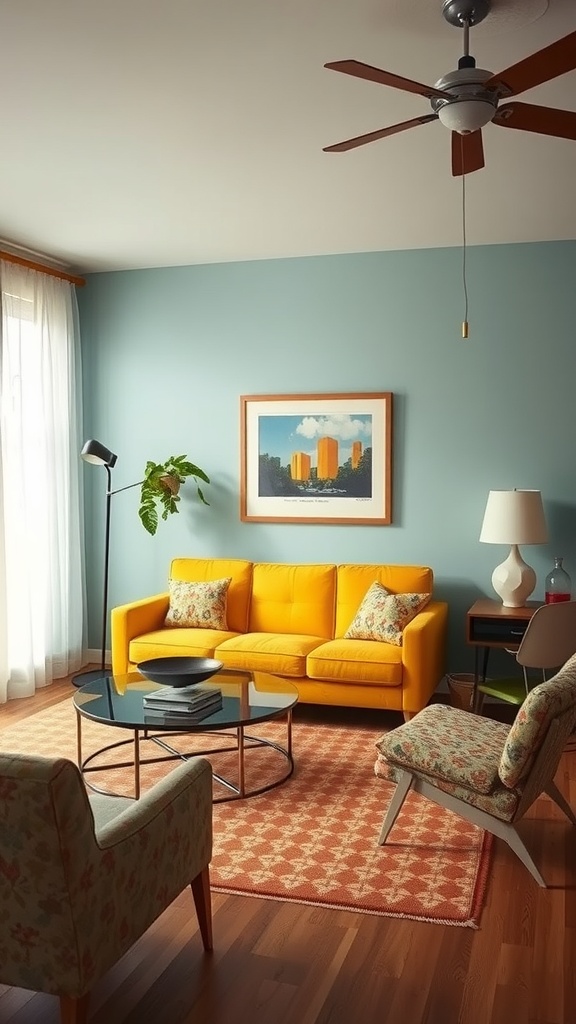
<point x="160" y="488"/>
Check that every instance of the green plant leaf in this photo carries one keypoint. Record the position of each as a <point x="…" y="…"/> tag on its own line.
<point x="154" y="494"/>
<point x="148" y="515"/>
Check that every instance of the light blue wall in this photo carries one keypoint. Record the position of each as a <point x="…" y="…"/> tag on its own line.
<point x="168" y="352"/>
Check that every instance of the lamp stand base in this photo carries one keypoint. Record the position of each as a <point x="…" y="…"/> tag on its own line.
<point x="81" y="678"/>
<point x="514" y="580"/>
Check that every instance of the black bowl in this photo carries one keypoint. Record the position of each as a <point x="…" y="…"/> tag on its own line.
<point x="179" y="671"/>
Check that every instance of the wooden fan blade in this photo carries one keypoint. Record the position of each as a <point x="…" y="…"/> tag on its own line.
<point x="467" y="153"/>
<point x="359" y="70"/>
<point x="361" y="140"/>
<point x="543" y="120"/>
<point x="551" y="62"/>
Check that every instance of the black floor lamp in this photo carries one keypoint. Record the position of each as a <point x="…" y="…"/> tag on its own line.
<point x="99" y="455"/>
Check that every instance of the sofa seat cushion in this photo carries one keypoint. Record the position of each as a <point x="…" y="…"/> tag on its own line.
<point x="360" y="661"/>
<point x="171" y="643"/>
<point x="281" y="653"/>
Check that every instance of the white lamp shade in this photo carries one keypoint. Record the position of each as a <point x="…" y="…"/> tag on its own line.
<point x="514" y="517"/>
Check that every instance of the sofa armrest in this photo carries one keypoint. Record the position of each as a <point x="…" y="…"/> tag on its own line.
<point x="131" y="620"/>
<point x="191" y="782"/>
<point x="424" y="655"/>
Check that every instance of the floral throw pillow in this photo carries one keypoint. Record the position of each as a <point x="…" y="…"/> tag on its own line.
<point x="383" y="616"/>
<point x="200" y="605"/>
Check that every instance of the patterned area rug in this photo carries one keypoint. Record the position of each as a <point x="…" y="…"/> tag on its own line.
<point x="314" y="839"/>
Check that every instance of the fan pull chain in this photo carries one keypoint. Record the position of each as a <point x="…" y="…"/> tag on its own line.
<point x="465" y="320"/>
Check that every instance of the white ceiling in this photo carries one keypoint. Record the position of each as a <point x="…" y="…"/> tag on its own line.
<point x="141" y="133"/>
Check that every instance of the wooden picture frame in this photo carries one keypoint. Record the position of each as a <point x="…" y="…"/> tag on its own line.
<point x="316" y="458"/>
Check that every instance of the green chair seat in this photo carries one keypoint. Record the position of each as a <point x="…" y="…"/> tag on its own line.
<point x="511" y="690"/>
<point x="548" y="642"/>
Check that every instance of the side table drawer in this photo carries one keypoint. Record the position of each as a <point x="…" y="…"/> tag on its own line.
<point x="495" y="631"/>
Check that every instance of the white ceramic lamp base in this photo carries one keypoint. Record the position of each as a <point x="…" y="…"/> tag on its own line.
<point x="513" y="580"/>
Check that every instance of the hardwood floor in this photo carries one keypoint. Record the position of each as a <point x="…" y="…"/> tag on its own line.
<point x="281" y="963"/>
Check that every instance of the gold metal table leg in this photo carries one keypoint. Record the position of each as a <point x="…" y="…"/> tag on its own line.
<point x="289" y="732"/>
<point x="241" y="782"/>
<point x="244" y="741"/>
<point x="79" y="739"/>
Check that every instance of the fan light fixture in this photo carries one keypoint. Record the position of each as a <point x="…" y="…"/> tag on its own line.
<point x="465" y="116"/>
<point x="468" y="98"/>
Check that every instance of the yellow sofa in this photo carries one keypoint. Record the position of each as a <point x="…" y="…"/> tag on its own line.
<point x="290" y="620"/>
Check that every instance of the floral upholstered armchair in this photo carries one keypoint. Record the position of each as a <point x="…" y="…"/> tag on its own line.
<point x="483" y="770"/>
<point x="81" y="879"/>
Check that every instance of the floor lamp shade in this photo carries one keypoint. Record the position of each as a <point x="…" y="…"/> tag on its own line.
<point x="514" y="517"/>
<point x="98" y="454"/>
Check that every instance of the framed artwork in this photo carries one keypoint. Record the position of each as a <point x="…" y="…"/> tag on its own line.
<point x="316" y="458"/>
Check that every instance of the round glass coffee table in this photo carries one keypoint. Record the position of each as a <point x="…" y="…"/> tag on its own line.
<point x="248" y="698"/>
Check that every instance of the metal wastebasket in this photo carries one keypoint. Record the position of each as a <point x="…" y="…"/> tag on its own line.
<point x="461" y="688"/>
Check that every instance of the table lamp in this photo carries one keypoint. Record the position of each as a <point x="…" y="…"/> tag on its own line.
<point x="514" y="517"/>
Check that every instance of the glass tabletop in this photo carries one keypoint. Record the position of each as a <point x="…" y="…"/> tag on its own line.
<point x="246" y="697"/>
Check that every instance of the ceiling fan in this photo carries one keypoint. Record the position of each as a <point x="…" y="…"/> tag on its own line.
<point x="467" y="99"/>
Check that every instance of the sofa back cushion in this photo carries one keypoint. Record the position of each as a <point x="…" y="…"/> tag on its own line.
<point x="353" y="582"/>
<point x="293" y="599"/>
<point x="202" y="570"/>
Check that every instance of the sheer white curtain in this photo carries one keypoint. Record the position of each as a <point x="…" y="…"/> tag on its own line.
<point x="41" y="588"/>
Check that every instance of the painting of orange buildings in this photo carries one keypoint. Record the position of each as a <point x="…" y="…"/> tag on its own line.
<point x="327" y="458"/>
<point x="300" y="466"/>
<point x="356" y="453"/>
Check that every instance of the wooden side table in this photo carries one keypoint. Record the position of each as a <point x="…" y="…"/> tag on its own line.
<point x="489" y="624"/>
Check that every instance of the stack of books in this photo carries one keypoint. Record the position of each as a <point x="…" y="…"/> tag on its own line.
<point x="192" y="702"/>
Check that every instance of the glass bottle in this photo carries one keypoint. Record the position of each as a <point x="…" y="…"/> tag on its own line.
<point x="558" y="584"/>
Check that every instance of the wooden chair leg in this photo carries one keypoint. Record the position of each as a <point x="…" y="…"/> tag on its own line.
<point x="400" y="794"/>
<point x="555" y="794"/>
<point x="74" y="1011"/>
<point x="503" y="829"/>
<point x="510" y="835"/>
<point x="203" y="904"/>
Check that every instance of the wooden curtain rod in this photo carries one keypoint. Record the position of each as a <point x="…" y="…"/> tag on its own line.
<point x="11" y="258"/>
